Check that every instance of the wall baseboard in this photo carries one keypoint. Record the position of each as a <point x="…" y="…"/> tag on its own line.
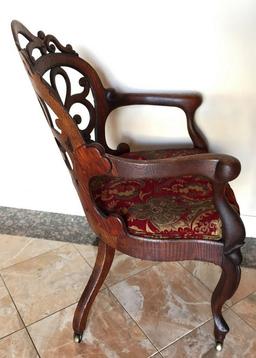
<point x="45" y="225"/>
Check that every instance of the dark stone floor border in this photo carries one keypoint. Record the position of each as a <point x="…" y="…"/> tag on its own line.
<point x="72" y="228"/>
<point x="45" y="225"/>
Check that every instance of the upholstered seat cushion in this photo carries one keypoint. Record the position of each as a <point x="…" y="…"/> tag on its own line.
<point x="162" y="208"/>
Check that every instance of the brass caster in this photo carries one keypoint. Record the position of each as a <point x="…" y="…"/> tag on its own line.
<point x="219" y="346"/>
<point x="78" y="337"/>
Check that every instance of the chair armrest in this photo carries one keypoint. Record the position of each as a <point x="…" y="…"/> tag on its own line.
<point x="188" y="101"/>
<point x="217" y="167"/>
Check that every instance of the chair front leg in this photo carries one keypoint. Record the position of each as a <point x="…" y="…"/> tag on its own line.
<point x="226" y="287"/>
<point x="101" y="268"/>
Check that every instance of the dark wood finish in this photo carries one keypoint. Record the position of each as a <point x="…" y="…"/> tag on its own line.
<point x="101" y="268"/>
<point x="225" y="289"/>
<point x="187" y="101"/>
<point x="85" y="159"/>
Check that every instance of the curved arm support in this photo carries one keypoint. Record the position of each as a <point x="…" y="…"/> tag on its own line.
<point x="219" y="168"/>
<point x="233" y="231"/>
<point x="187" y="101"/>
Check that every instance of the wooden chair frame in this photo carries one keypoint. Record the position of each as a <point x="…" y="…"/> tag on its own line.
<point x="86" y="159"/>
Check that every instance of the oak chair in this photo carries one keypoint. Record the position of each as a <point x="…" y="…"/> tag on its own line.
<point x="162" y="205"/>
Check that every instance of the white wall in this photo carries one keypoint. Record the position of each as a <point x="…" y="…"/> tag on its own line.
<point x="137" y="45"/>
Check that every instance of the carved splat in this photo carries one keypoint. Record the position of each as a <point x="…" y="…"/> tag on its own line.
<point x="85" y="100"/>
<point x="44" y="43"/>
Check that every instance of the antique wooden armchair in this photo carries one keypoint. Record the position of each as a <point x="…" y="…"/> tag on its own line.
<point x="179" y="206"/>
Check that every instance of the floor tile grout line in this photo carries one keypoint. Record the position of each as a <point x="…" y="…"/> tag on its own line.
<point x="225" y="305"/>
<point x="140" y="328"/>
<point x="51" y="314"/>
<point x="59" y="310"/>
<point x="184" y="335"/>
<point x="143" y="270"/>
<point x="159" y="350"/>
<point x="155" y="355"/>
<point x="115" y="298"/>
<point x="129" y="276"/>
<point x="19" y="314"/>
<point x="33" y="257"/>
<point x="74" y="245"/>
<point x="32" y="342"/>
<point x="210" y="319"/>
<point x="109" y="290"/>
<point x="198" y="279"/>
<point x="132" y="275"/>
<point x="9" y="334"/>
<point x="148" y="268"/>
<point x="104" y="286"/>
<point x="5" y="285"/>
<point x="233" y="304"/>
<point x="248" y="324"/>
<point x="211" y="291"/>
<point x="86" y="261"/>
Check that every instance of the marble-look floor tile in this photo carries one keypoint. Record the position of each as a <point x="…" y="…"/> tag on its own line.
<point x="122" y="267"/>
<point x="239" y="342"/>
<point x="9" y="319"/>
<point x="246" y="309"/>
<point x="17" y="345"/>
<point x="14" y="249"/>
<point x="209" y="274"/>
<point x="47" y="283"/>
<point x="110" y="333"/>
<point x="166" y="301"/>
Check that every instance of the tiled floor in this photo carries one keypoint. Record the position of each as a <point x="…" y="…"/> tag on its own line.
<point x="145" y="309"/>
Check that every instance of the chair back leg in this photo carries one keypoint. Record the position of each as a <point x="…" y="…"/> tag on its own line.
<point x="101" y="268"/>
<point x="226" y="287"/>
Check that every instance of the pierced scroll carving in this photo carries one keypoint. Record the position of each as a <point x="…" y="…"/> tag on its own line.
<point x="70" y="100"/>
<point x="45" y="44"/>
<point x="49" y="44"/>
<point x="44" y="54"/>
<point x="49" y="66"/>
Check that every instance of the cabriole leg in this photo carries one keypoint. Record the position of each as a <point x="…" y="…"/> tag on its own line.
<point x="101" y="268"/>
<point x="226" y="287"/>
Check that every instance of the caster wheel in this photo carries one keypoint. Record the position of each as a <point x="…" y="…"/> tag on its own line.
<point x="78" y="337"/>
<point x="218" y="346"/>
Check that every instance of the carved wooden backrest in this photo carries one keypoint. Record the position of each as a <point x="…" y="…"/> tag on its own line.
<point x="83" y="157"/>
<point x="57" y="60"/>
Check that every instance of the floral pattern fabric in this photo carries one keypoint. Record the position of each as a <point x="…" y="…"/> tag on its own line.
<point x="162" y="208"/>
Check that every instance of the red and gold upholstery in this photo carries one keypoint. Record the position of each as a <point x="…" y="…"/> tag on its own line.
<point x="163" y="208"/>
